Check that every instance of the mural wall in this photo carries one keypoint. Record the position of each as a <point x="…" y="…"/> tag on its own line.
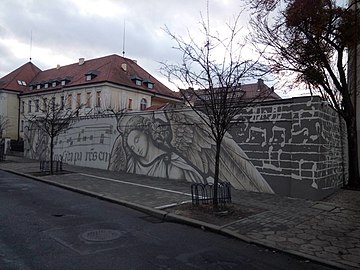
<point x="291" y="147"/>
<point x="297" y="145"/>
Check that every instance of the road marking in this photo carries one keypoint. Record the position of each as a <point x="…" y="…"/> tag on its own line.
<point x="134" y="184"/>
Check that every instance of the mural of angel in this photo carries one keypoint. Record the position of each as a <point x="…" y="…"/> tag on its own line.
<point x="177" y="145"/>
<point x="36" y="143"/>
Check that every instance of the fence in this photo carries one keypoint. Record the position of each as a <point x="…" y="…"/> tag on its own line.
<point x="2" y="152"/>
<point x="204" y="193"/>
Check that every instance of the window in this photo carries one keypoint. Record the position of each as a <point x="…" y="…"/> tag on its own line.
<point x="22" y="126"/>
<point x="78" y="100"/>
<point x="53" y="103"/>
<point x="69" y="102"/>
<point x="29" y="106"/>
<point x="91" y="75"/>
<point x="143" y="104"/>
<point x="63" y="82"/>
<point x="136" y="79"/>
<point x="31" y="87"/>
<point x="149" y="84"/>
<point x="38" y="86"/>
<point x="46" y="85"/>
<point x="98" y="98"/>
<point x="23" y="106"/>
<point x="130" y="104"/>
<point x="21" y="82"/>
<point x="62" y="102"/>
<point x="36" y="105"/>
<point x="88" y="99"/>
<point x="45" y="103"/>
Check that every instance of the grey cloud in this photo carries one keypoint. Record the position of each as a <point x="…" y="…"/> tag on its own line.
<point x="58" y="26"/>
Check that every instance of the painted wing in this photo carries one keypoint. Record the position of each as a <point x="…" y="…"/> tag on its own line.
<point x="192" y="140"/>
<point x="118" y="156"/>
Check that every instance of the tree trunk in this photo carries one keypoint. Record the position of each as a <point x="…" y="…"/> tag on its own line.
<point x="216" y="175"/>
<point x="354" y="180"/>
<point x="51" y="155"/>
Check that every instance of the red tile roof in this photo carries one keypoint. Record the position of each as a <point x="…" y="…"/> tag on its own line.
<point x="252" y="91"/>
<point x="113" y="68"/>
<point x="25" y="73"/>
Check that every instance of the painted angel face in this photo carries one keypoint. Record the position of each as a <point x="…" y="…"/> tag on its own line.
<point x="138" y="142"/>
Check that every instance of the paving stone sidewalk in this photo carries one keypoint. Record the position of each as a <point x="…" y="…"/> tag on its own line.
<point x="326" y="231"/>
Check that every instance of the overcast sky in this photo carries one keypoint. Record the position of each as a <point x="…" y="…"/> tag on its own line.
<point x="62" y="31"/>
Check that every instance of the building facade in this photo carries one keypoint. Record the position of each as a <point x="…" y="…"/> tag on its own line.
<point x="95" y="86"/>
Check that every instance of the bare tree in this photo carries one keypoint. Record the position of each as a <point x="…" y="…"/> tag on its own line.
<point x="4" y="124"/>
<point x="216" y="66"/>
<point x="52" y="118"/>
<point x="309" y="40"/>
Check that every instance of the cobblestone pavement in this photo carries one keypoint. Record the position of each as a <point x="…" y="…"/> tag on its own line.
<point x="327" y="231"/>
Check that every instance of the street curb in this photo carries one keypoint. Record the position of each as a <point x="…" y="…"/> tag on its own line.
<point x="145" y="209"/>
<point x="171" y="217"/>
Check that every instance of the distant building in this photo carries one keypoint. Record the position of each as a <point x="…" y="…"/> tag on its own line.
<point x="251" y="92"/>
<point x="110" y="82"/>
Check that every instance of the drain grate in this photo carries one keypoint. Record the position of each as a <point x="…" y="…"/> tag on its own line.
<point x="101" y="235"/>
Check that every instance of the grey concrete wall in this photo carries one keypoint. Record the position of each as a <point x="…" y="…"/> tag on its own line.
<point x="292" y="147"/>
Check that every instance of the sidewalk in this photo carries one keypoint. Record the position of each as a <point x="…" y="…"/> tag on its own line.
<point x="326" y="231"/>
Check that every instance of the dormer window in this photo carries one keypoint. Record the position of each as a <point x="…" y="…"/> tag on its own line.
<point x="91" y="75"/>
<point x="46" y="85"/>
<point x="20" y="82"/>
<point x="65" y="81"/>
<point x="149" y="84"/>
<point x="137" y="80"/>
<point x="54" y="83"/>
<point x="38" y="86"/>
<point x="31" y="87"/>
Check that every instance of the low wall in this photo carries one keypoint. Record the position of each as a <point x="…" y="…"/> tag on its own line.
<point x="292" y="147"/>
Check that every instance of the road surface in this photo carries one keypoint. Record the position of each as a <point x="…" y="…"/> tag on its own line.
<point x="46" y="227"/>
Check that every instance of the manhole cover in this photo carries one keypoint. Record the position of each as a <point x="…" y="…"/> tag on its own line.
<point x="101" y="235"/>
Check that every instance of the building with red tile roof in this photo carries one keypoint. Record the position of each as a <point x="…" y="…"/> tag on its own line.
<point x="109" y="82"/>
<point x="253" y="92"/>
<point x="11" y="86"/>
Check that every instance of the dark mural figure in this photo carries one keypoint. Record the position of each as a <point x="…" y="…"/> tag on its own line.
<point x="176" y="145"/>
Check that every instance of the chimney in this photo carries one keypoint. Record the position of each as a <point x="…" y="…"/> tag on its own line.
<point x="57" y="66"/>
<point x="124" y="66"/>
<point x="135" y="61"/>
<point x="81" y="61"/>
<point x="260" y="84"/>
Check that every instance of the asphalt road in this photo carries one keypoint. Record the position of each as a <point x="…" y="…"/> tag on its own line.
<point x="45" y="227"/>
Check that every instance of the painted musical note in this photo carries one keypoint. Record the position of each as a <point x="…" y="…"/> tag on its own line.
<point x="281" y="131"/>
<point x="255" y="130"/>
